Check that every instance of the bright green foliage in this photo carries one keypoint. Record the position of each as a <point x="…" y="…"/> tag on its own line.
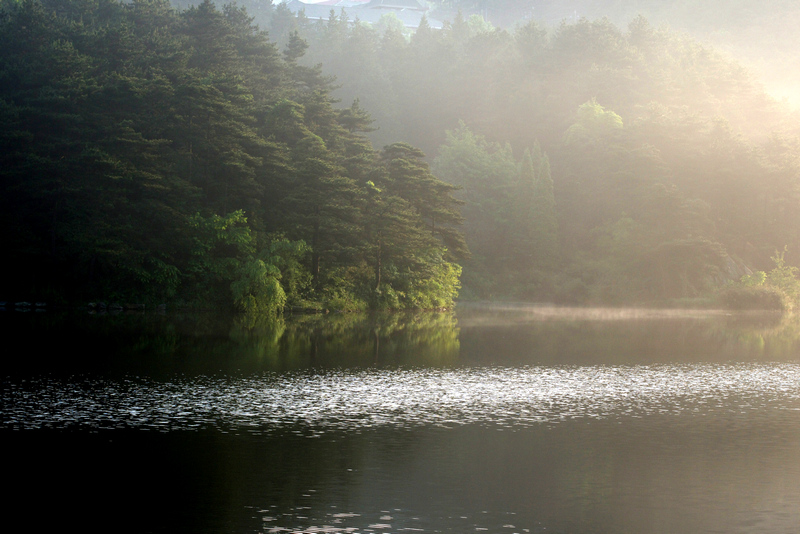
<point x="438" y="291"/>
<point x="778" y="289"/>
<point x="754" y="280"/>
<point x="289" y="259"/>
<point x="341" y="298"/>
<point x="593" y="124"/>
<point x="784" y="277"/>
<point x="257" y="289"/>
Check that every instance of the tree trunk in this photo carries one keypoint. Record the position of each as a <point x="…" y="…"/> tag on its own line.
<point x="315" y="256"/>
<point x="378" y="266"/>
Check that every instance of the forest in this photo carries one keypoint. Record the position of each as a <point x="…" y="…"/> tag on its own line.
<point x="179" y="156"/>
<point x="222" y="156"/>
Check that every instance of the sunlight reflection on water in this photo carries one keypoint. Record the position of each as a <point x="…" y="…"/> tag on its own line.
<point x="352" y="400"/>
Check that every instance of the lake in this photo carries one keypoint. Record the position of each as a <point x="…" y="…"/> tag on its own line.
<point x="499" y="419"/>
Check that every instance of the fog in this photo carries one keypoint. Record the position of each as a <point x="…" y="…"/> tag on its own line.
<point x="576" y="153"/>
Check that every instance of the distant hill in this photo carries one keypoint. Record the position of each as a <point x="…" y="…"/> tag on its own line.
<point x="761" y="34"/>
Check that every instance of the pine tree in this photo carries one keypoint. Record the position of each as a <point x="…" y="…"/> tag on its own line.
<point x="410" y="177"/>
<point x="544" y="235"/>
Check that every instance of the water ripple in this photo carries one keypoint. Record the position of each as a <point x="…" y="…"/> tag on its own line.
<point x="509" y="397"/>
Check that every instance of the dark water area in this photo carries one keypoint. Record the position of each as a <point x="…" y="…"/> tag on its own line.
<point x="489" y="419"/>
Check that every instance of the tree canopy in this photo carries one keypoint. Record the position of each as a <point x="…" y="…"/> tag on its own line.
<point x="149" y="150"/>
<point x="156" y="154"/>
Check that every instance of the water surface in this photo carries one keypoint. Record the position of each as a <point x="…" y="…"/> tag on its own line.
<point x="495" y="419"/>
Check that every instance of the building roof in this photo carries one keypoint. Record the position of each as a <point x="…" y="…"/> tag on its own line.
<point x="410" y="12"/>
<point x="396" y="4"/>
<point x="341" y="3"/>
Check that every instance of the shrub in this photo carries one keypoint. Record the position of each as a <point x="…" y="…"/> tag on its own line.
<point x="754" y="298"/>
<point x="257" y="289"/>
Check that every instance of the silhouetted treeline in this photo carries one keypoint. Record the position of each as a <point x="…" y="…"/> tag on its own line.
<point x="159" y="155"/>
